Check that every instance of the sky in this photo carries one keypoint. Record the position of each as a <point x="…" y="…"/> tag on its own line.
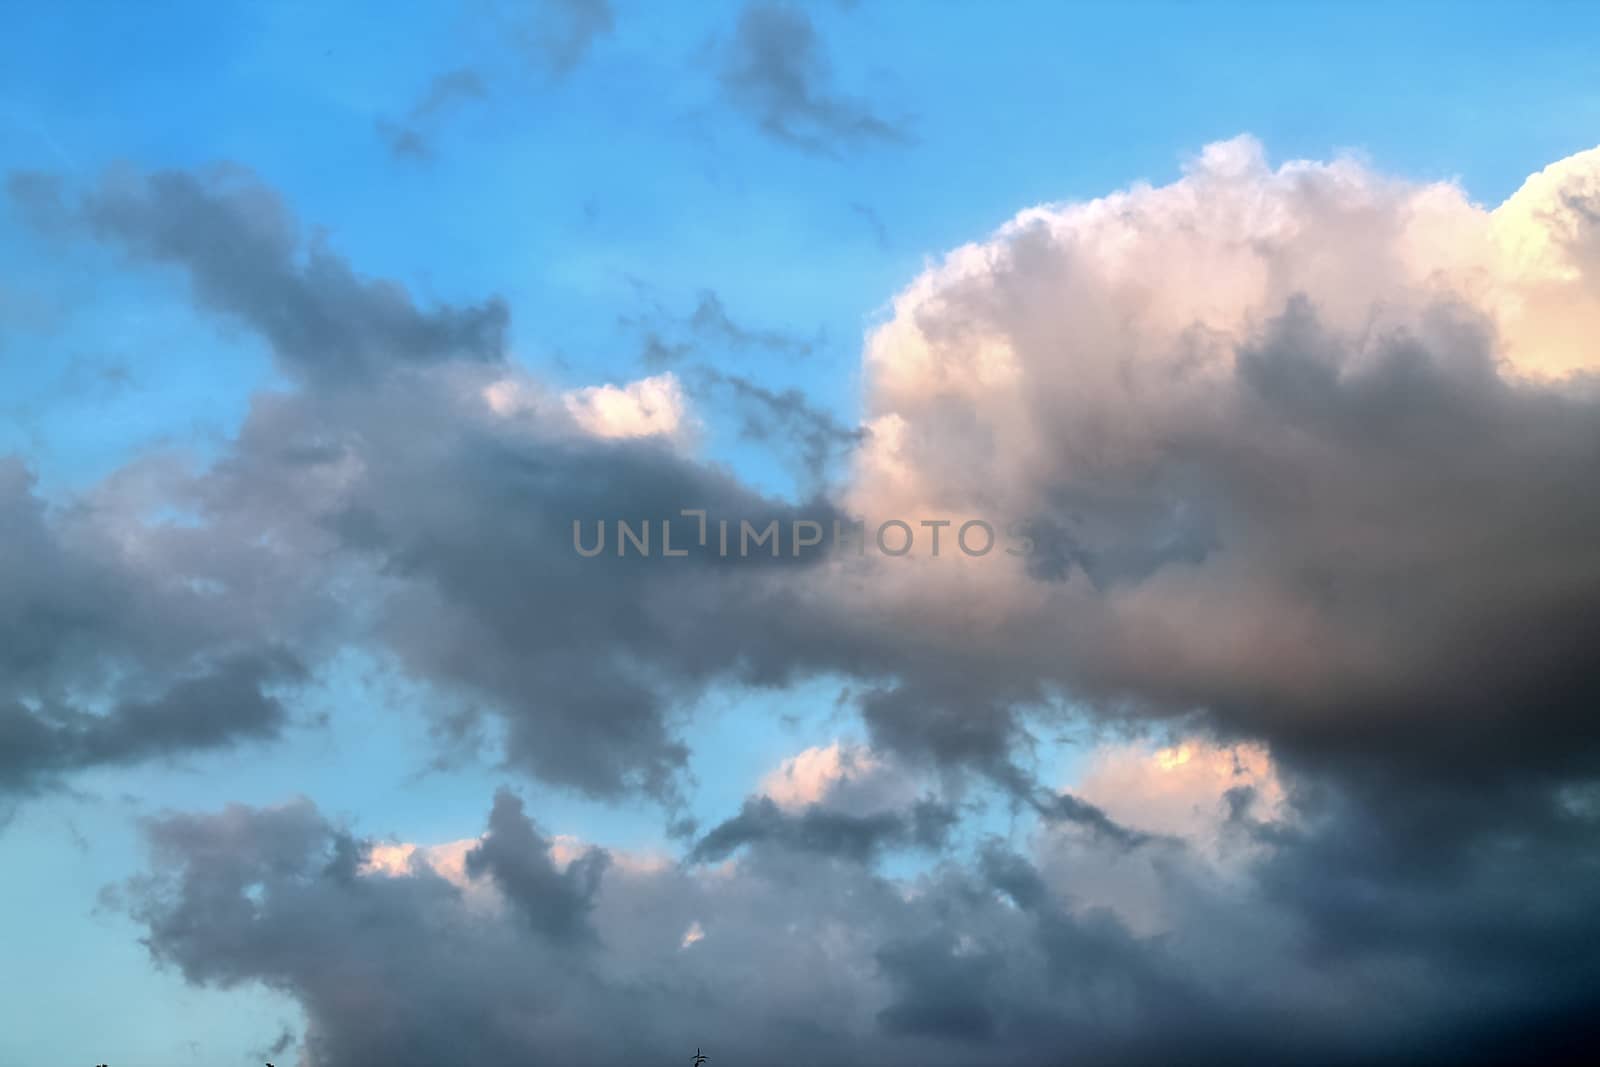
<point x="1257" y="338"/>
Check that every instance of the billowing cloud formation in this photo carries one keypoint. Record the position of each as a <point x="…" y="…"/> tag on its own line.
<point x="127" y="634"/>
<point x="1284" y="439"/>
<point x="839" y="773"/>
<point x="1294" y="454"/>
<point x="1190" y="789"/>
<point x="411" y="492"/>
<point x="995" y="957"/>
<point x="1306" y="455"/>
<point x="639" y="409"/>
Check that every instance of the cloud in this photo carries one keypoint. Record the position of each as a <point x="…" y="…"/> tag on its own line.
<point x="994" y="957"/>
<point x="643" y="408"/>
<point x="1306" y="453"/>
<point x="710" y="325"/>
<point x="404" y="441"/>
<point x="409" y="139"/>
<point x="1286" y="452"/>
<point x="1153" y="380"/>
<point x="245" y="258"/>
<point x="230" y="704"/>
<point x="1192" y="788"/>
<point x="833" y="772"/>
<point x="777" y="72"/>
<point x="556" y="902"/>
<point x="110" y="654"/>
<point x="710" y="321"/>
<point x="559" y="33"/>
<point x="874" y="222"/>
<point x="446" y="90"/>
<point x="808" y="437"/>
<point x="826" y="831"/>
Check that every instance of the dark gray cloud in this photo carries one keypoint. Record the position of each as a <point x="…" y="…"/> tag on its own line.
<point x="233" y="703"/>
<point x="825" y="831"/>
<point x="516" y="856"/>
<point x="776" y="71"/>
<point x="449" y="525"/>
<point x="1417" y="658"/>
<point x="1064" y="807"/>
<point x="124" y="639"/>
<point x="245" y="257"/>
<point x="990" y="959"/>
<point x="469" y="518"/>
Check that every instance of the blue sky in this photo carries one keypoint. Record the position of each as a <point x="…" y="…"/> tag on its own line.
<point x="604" y="199"/>
<point x="1036" y="103"/>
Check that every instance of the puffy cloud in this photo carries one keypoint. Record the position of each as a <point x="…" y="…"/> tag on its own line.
<point x="1290" y="455"/>
<point x="644" y="408"/>
<point x="1306" y="454"/>
<point x="1546" y="254"/>
<point x="648" y="407"/>
<point x="1189" y="789"/>
<point x="409" y="493"/>
<point x="516" y="856"/>
<point x="1281" y="449"/>
<point x="840" y="772"/>
<point x="998" y="957"/>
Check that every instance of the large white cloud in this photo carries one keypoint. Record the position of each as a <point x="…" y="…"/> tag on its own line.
<point x="1305" y="447"/>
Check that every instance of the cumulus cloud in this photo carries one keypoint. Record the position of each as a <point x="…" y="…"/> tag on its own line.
<point x="362" y="497"/>
<point x="839" y="772"/>
<point x="994" y="957"/>
<point x="1305" y="453"/>
<point x="1283" y="449"/>
<point x="643" y="408"/>
<point x="1191" y="789"/>
<point x="1290" y="456"/>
